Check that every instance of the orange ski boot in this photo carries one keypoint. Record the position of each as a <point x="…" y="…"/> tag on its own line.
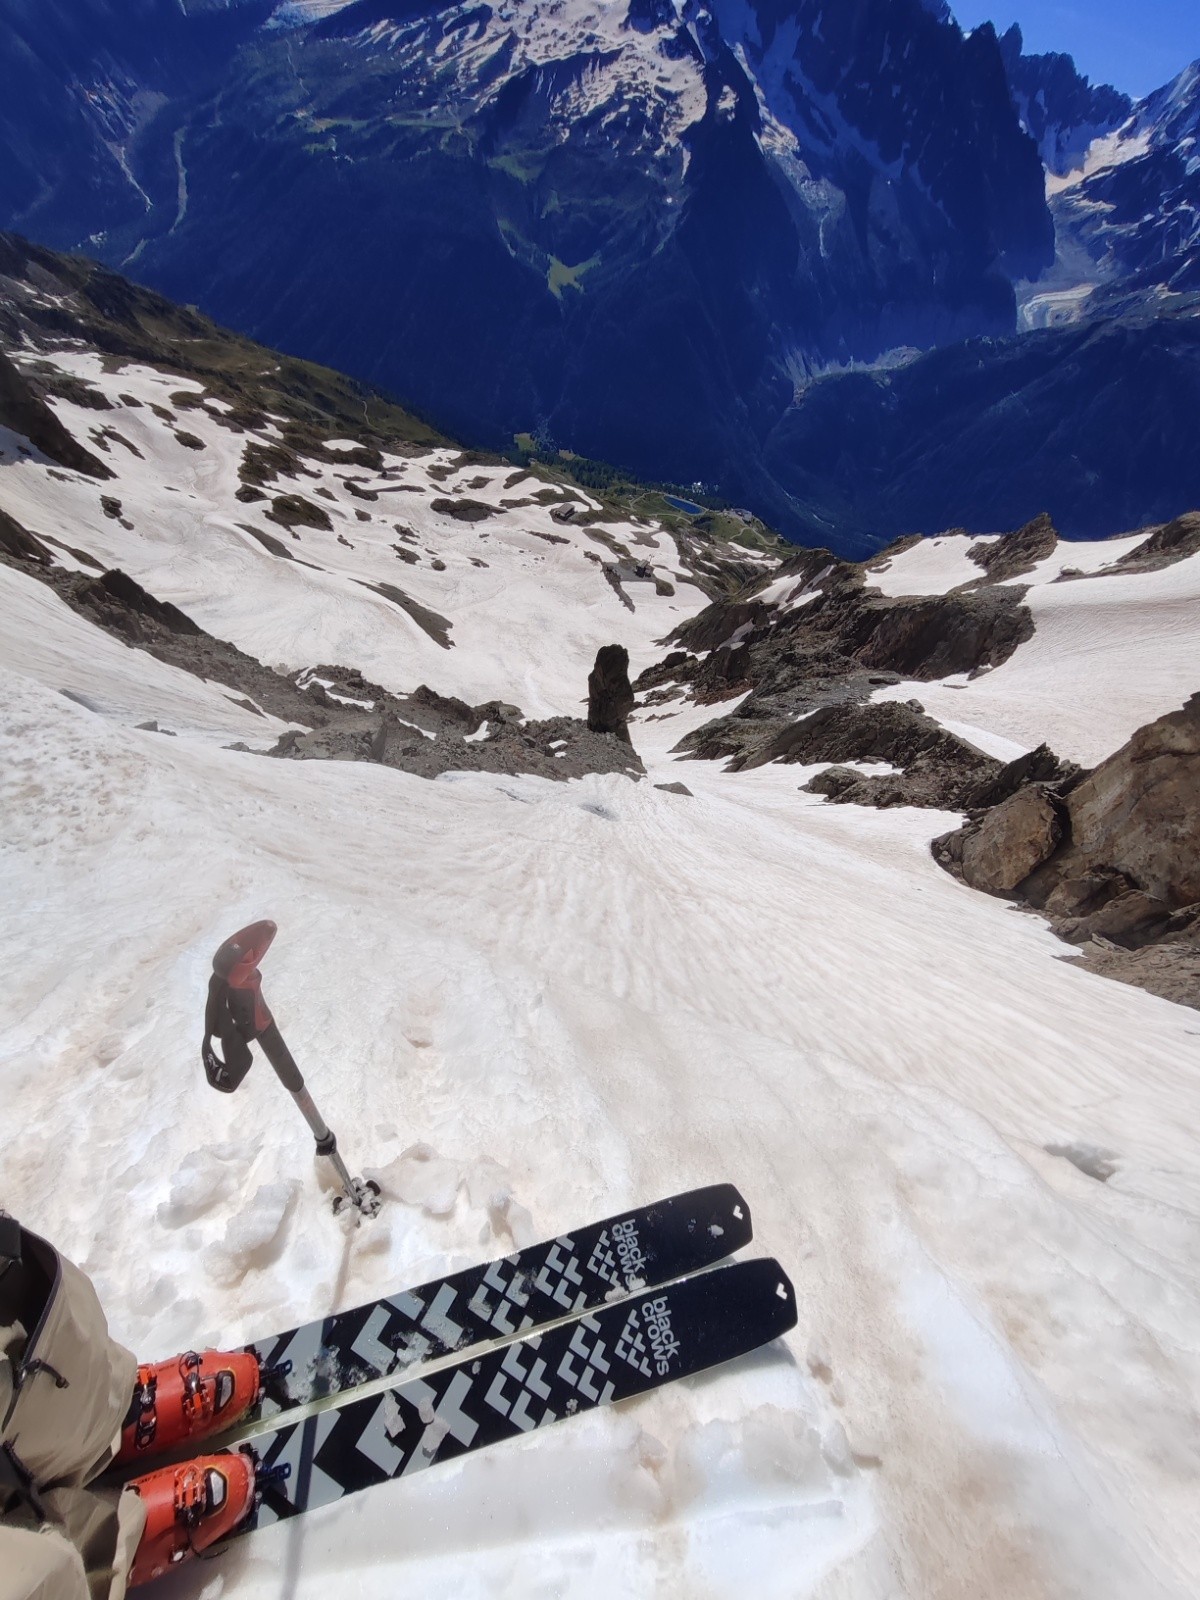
<point x="189" y="1507"/>
<point x="187" y="1399"/>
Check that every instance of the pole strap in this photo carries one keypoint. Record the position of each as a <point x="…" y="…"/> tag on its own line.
<point x="227" y="1017"/>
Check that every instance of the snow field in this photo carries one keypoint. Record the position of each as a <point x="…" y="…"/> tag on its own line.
<point x="1110" y="653"/>
<point x="526" y="626"/>
<point x="567" y="995"/>
<point x="522" y="1005"/>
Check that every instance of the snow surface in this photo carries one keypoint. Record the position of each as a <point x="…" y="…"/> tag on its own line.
<point x="1111" y="651"/>
<point x="526" y="1004"/>
<point x="527" y="621"/>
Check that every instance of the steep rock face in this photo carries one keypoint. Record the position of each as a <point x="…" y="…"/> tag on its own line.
<point x="1091" y="423"/>
<point x="1059" y="107"/>
<point x="1138" y="216"/>
<point x="632" y="230"/>
<point x="1112" y="857"/>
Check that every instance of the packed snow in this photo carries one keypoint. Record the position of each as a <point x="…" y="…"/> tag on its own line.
<point x="525" y="1004"/>
<point x="1111" y="652"/>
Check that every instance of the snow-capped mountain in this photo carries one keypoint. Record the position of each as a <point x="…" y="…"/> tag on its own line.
<point x="634" y="228"/>
<point x="1135" y="207"/>
<point x="656" y="232"/>
<point x="529" y="1003"/>
<point x="1060" y="108"/>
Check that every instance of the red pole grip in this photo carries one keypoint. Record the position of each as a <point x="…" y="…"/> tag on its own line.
<point x="237" y="963"/>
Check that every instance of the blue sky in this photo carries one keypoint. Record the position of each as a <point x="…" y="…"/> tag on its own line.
<point x="1137" y="44"/>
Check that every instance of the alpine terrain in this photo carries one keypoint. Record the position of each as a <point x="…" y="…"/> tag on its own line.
<point x="611" y="849"/>
<point x="840" y="264"/>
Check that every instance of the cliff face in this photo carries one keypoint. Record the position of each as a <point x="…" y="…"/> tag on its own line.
<point x="1060" y="108"/>
<point x="630" y="229"/>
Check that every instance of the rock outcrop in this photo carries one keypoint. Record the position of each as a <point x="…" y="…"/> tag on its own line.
<point x="26" y="413"/>
<point x="1112" y="857"/>
<point x="1015" y="554"/>
<point x="1174" y="541"/>
<point x="610" y="694"/>
<point x="826" y="638"/>
<point x="934" y="767"/>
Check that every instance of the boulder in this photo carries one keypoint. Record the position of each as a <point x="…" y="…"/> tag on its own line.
<point x="1139" y="811"/>
<point x="27" y="414"/>
<point x="610" y="694"/>
<point x="1012" y="840"/>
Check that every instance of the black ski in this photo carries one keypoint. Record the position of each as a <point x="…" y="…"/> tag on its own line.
<point x="587" y="1268"/>
<point x="592" y="1360"/>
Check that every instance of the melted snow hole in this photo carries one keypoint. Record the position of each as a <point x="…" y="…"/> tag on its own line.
<point x="1089" y="1158"/>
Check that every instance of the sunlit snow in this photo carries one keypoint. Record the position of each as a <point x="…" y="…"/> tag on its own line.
<point x="572" y="997"/>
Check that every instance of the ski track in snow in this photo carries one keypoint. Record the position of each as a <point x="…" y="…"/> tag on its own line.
<point x="585" y="995"/>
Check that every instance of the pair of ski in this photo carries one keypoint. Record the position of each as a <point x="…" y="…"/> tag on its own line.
<point x="599" y="1315"/>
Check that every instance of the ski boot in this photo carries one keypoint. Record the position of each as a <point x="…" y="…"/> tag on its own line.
<point x="187" y="1399"/>
<point x="189" y="1507"/>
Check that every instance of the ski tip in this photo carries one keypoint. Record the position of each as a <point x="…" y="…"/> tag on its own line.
<point x="768" y="1294"/>
<point x="719" y="1210"/>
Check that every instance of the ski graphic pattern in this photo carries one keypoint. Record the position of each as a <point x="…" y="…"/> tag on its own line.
<point x="613" y="1354"/>
<point x="500" y="1299"/>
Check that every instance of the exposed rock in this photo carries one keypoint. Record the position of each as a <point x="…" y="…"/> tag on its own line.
<point x="830" y="640"/>
<point x="432" y="622"/>
<point x="28" y="415"/>
<point x="1124" y="868"/>
<point x="675" y="788"/>
<point x="1036" y="766"/>
<point x="1015" y="837"/>
<point x="1014" y="554"/>
<point x="425" y="733"/>
<point x="463" y="510"/>
<point x="937" y="769"/>
<point x="268" y="541"/>
<point x="1174" y="541"/>
<point x="559" y="748"/>
<point x="610" y="696"/>
<point x="23" y="547"/>
<point x="290" y="510"/>
<point x="1171" y="971"/>
<point x="135" y="602"/>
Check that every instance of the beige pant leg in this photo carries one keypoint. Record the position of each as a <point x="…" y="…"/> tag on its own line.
<point x="104" y="1526"/>
<point x="39" y="1565"/>
<point x="131" y="1520"/>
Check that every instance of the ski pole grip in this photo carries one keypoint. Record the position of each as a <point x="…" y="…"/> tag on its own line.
<point x="236" y="963"/>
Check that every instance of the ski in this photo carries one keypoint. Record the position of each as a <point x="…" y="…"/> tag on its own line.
<point x="500" y="1299"/>
<point x="592" y="1360"/>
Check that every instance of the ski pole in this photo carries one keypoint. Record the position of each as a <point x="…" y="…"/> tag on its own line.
<point x="237" y="1014"/>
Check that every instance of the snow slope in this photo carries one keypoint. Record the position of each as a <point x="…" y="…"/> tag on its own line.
<point x="527" y="595"/>
<point x="523" y="1004"/>
<point x="1112" y="650"/>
